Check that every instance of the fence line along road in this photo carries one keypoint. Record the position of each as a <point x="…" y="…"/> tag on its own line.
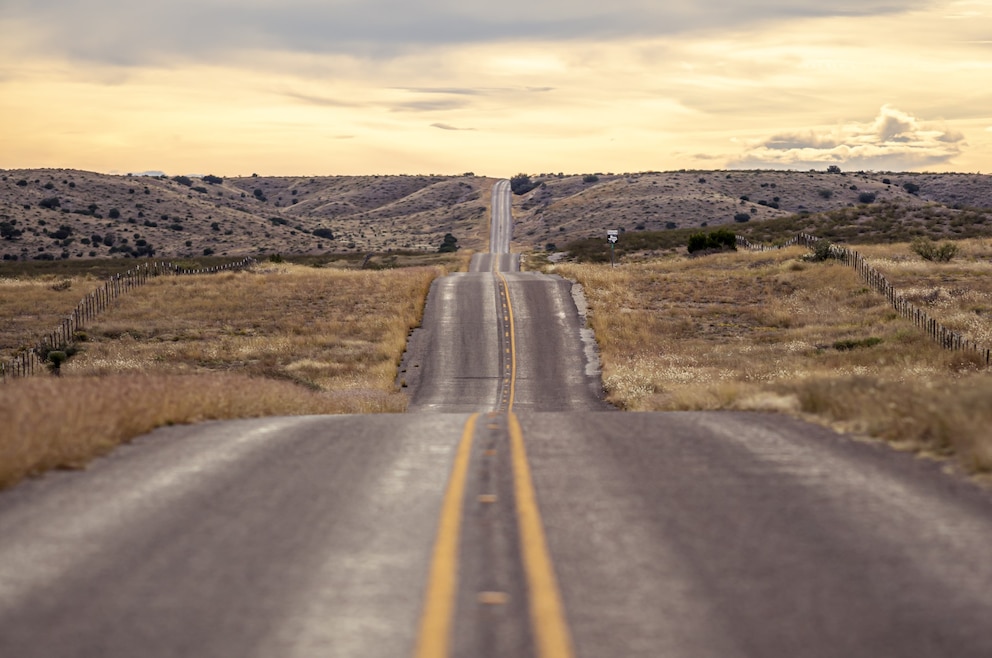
<point x="32" y="360"/>
<point x="944" y="337"/>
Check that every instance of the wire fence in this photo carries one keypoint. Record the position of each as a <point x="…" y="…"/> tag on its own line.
<point x="947" y="339"/>
<point x="33" y="360"/>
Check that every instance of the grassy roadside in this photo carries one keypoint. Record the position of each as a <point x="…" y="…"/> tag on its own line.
<point x="282" y="340"/>
<point x="769" y="331"/>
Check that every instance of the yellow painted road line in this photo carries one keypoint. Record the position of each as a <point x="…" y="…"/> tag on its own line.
<point x="513" y="341"/>
<point x="442" y="582"/>
<point x="547" y="614"/>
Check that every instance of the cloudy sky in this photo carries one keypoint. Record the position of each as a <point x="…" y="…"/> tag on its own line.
<point x="315" y="87"/>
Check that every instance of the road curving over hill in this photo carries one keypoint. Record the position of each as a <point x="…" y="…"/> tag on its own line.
<point x="512" y="514"/>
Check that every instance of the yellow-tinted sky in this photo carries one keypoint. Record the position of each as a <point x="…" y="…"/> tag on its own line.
<point x="305" y="87"/>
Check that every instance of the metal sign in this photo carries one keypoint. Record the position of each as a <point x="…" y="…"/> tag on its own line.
<point x="612" y="235"/>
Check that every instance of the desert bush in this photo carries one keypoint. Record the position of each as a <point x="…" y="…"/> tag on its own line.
<point x="449" y="244"/>
<point x="55" y="360"/>
<point x="855" y="343"/>
<point x="590" y="178"/>
<point x="720" y="239"/>
<point x="50" y="203"/>
<point x="9" y="232"/>
<point x="325" y="233"/>
<point x="927" y="249"/>
<point x="742" y="217"/>
<point x="61" y="234"/>
<point x="521" y="184"/>
<point x="822" y="250"/>
<point x="912" y="188"/>
<point x="866" y="198"/>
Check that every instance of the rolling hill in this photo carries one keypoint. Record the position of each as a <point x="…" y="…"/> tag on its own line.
<point x="56" y="213"/>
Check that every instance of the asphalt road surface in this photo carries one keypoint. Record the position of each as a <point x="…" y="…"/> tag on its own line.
<point x="511" y="514"/>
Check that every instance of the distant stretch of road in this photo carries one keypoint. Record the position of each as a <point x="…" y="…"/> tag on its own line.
<point x="499" y="258"/>
<point x="512" y="513"/>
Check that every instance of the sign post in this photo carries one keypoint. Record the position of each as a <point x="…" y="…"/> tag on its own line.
<point x="612" y="235"/>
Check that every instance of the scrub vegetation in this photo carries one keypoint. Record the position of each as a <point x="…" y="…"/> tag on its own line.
<point x="284" y="339"/>
<point x="775" y="331"/>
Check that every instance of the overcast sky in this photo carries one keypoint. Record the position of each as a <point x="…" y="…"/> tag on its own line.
<point x="307" y="87"/>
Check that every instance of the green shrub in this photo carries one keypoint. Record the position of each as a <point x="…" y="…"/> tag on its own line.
<point x="448" y="244"/>
<point x="521" y="184"/>
<point x="822" y="250"/>
<point x="718" y="240"/>
<point x="927" y="249"/>
<point x="851" y="343"/>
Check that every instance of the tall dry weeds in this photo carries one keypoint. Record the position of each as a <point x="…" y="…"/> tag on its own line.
<point x="768" y="331"/>
<point x="285" y="340"/>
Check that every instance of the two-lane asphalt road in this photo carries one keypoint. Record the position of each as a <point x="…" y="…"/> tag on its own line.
<point x="512" y="514"/>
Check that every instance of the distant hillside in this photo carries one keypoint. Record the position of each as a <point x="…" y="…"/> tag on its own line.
<point x="54" y="214"/>
<point x="70" y="214"/>
<point x="565" y="208"/>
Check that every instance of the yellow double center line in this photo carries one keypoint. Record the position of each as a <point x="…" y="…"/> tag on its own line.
<point x="511" y="337"/>
<point x="547" y="614"/>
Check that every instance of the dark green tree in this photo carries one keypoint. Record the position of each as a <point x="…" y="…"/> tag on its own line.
<point x="521" y="184"/>
<point x="449" y="244"/>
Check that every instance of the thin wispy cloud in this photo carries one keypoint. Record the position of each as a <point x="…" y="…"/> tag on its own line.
<point x="574" y="85"/>
<point x="124" y="31"/>
<point x="445" y="126"/>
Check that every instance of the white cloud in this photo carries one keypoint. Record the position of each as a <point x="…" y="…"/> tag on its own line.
<point x="893" y="141"/>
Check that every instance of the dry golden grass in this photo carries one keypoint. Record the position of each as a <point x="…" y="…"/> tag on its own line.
<point x="33" y="306"/>
<point x="282" y="340"/>
<point x="64" y="422"/>
<point x="769" y="332"/>
<point x="958" y="293"/>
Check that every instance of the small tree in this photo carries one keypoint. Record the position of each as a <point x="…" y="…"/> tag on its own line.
<point x="521" y="184"/>
<point x="55" y="360"/>
<point x="449" y="244"/>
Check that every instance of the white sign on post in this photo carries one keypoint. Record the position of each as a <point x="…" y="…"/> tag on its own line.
<point x="612" y="235"/>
